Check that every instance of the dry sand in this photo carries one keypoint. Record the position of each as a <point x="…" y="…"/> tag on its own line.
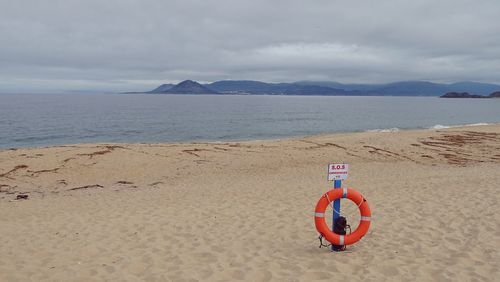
<point x="244" y="210"/>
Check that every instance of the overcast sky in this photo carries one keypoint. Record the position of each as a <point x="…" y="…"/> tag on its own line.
<point x="137" y="44"/>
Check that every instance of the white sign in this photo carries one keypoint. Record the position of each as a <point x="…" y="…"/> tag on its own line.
<point x="337" y="171"/>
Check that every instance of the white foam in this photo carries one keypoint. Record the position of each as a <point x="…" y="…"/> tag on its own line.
<point x="439" y="126"/>
<point x="394" y="129"/>
<point x="477" y="124"/>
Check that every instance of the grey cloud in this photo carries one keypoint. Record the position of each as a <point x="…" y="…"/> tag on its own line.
<point x="134" y="45"/>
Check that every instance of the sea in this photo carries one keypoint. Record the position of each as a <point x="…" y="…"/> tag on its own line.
<point x="34" y="120"/>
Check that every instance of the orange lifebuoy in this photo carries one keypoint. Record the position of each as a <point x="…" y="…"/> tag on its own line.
<point x="364" y="209"/>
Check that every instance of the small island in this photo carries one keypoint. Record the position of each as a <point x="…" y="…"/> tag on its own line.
<point x="468" y="95"/>
<point x="495" y="95"/>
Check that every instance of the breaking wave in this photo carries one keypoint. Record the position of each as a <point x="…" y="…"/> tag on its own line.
<point x="439" y="126"/>
<point x="394" y="129"/>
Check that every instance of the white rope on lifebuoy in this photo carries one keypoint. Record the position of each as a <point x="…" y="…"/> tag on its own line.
<point x="333" y="207"/>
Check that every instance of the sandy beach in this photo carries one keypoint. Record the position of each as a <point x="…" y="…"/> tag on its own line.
<point x="226" y="211"/>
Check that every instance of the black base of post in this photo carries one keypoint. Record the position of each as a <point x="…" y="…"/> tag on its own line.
<point x="338" y="248"/>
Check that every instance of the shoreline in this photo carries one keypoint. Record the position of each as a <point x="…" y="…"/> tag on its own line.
<point x="292" y="137"/>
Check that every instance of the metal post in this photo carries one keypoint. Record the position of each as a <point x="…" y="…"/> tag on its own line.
<point x="337" y="184"/>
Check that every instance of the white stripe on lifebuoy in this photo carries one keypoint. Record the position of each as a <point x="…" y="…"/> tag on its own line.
<point x="341" y="240"/>
<point x="366" y="218"/>
<point x="344" y="192"/>
<point x="319" y="214"/>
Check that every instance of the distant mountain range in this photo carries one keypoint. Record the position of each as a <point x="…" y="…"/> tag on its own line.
<point x="325" y="88"/>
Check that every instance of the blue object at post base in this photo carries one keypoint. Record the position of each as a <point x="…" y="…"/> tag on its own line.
<point x="337" y="184"/>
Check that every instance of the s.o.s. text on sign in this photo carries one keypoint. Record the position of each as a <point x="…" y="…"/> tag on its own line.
<point x="337" y="171"/>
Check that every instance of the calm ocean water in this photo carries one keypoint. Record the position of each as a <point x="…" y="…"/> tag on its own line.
<point x="50" y="119"/>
